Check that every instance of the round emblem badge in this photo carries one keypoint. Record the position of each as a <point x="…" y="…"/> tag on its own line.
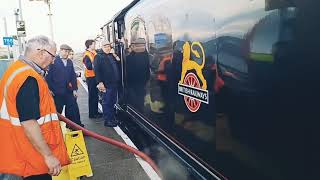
<point x="192" y="104"/>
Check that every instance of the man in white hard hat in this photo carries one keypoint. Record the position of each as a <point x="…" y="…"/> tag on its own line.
<point x="108" y="78"/>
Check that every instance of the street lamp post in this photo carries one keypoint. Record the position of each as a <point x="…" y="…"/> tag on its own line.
<point x="6" y="34"/>
<point x="20" y="39"/>
<point x="48" y="2"/>
<point x="20" y="10"/>
<point x="20" y="44"/>
<point x="50" y="18"/>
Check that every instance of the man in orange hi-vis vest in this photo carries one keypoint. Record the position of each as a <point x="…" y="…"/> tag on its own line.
<point x="88" y="58"/>
<point x="30" y="134"/>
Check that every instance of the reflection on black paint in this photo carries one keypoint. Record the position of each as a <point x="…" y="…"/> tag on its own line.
<point x="245" y="131"/>
<point x="250" y="68"/>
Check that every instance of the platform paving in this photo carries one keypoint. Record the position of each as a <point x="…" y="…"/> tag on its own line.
<point x="107" y="161"/>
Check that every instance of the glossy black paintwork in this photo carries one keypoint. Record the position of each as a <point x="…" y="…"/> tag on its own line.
<point x="249" y="127"/>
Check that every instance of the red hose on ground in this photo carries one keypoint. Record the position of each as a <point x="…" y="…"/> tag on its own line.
<point x="111" y="141"/>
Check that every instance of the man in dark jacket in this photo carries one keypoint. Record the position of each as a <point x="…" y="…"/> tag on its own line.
<point x="108" y="78"/>
<point x="138" y="73"/>
<point x="62" y="81"/>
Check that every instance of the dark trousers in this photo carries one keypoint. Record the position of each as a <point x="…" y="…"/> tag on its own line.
<point x="39" y="177"/>
<point x="108" y="101"/>
<point x="93" y="96"/>
<point x="72" y="108"/>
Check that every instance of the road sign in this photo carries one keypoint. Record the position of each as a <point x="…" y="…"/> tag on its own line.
<point x="8" y="41"/>
<point x="21" y="30"/>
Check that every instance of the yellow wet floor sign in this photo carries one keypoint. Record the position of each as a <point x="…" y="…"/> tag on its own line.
<point x="78" y="154"/>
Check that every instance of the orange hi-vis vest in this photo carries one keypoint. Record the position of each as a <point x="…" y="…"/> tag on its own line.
<point x="161" y="76"/>
<point x="91" y="55"/>
<point x="17" y="154"/>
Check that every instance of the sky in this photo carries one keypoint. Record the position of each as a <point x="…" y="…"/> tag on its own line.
<point x="74" y="21"/>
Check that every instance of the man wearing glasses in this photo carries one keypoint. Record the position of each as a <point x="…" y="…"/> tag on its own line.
<point x="52" y="55"/>
<point x="62" y="81"/>
<point x="29" y="125"/>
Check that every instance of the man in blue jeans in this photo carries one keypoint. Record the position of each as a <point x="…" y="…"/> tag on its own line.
<point x="108" y="78"/>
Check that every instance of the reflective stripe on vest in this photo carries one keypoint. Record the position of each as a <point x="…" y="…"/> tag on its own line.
<point x="91" y="55"/>
<point x="19" y="156"/>
<point x="4" y="110"/>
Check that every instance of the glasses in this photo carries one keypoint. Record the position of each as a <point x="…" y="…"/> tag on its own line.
<point x="53" y="56"/>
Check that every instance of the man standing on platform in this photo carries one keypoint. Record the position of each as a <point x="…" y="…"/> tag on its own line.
<point x="31" y="138"/>
<point x="62" y="81"/>
<point x="108" y="78"/>
<point x="88" y="59"/>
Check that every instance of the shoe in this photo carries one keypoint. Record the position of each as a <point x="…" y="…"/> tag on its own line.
<point x="115" y="121"/>
<point x="99" y="115"/>
<point x="108" y="124"/>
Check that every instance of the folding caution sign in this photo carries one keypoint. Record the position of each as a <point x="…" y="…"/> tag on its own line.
<point x="77" y="151"/>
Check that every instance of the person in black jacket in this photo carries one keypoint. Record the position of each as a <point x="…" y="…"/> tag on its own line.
<point x="138" y="73"/>
<point x="62" y="81"/>
<point x="108" y="78"/>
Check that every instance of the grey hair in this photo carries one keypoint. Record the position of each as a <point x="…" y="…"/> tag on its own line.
<point x="39" y="42"/>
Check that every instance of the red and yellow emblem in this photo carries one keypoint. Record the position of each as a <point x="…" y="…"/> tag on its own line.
<point x="193" y="90"/>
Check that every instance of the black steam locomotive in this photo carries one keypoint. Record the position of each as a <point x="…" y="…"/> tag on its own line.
<point x="230" y="85"/>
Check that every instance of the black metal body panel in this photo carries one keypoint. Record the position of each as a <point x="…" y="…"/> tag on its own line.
<point x="225" y="85"/>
